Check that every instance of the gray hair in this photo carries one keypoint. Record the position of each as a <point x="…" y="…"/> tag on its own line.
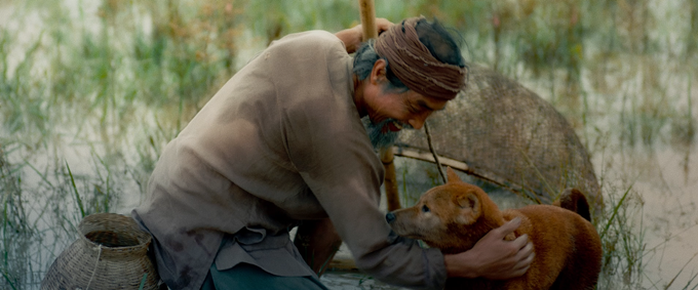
<point x="364" y="59"/>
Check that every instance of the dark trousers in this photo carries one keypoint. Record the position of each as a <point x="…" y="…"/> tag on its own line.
<point x="249" y="277"/>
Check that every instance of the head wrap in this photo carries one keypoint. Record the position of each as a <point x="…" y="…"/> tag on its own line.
<point x="413" y="64"/>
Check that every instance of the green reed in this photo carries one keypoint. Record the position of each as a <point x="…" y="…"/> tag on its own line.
<point x="102" y="81"/>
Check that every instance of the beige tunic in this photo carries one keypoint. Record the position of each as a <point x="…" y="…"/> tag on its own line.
<point x="281" y="142"/>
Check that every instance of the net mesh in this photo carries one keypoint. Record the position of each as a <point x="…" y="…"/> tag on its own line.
<point x="507" y="135"/>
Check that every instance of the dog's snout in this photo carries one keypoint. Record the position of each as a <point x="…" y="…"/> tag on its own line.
<point x="390" y="217"/>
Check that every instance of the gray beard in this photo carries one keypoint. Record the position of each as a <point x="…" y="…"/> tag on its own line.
<point x="380" y="139"/>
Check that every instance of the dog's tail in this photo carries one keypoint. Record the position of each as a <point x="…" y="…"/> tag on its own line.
<point x="574" y="200"/>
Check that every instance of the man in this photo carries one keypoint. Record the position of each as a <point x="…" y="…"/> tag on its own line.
<point x="282" y="144"/>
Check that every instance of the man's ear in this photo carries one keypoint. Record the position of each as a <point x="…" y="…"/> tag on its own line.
<point x="451" y="175"/>
<point x="470" y="209"/>
<point x="378" y="73"/>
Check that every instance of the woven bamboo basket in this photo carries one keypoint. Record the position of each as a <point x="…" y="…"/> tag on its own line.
<point x="111" y="253"/>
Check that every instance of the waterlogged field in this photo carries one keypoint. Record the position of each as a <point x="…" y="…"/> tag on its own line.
<point x="91" y="91"/>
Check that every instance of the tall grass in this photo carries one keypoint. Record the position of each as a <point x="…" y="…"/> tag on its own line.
<point x="623" y="244"/>
<point x="90" y="93"/>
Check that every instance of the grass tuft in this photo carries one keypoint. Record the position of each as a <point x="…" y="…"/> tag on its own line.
<point x="108" y="83"/>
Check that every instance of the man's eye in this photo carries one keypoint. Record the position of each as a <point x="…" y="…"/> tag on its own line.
<point x="425" y="208"/>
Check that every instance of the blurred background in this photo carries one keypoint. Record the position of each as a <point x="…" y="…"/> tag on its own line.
<point x="91" y="91"/>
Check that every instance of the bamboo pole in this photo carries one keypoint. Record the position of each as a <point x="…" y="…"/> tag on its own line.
<point x="368" y="19"/>
<point x="390" y="181"/>
<point x="368" y="23"/>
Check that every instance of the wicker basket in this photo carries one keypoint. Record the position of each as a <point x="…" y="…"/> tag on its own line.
<point x="111" y="253"/>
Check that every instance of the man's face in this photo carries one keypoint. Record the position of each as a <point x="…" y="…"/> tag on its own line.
<point x="392" y="112"/>
<point x="404" y="108"/>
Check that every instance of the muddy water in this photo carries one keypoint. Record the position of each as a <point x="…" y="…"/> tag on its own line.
<point x="660" y="175"/>
<point x="665" y="183"/>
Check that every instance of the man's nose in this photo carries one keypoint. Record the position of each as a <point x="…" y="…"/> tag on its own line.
<point x="416" y="124"/>
<point x="418" y="120"/>
<point x="390" y="217"/>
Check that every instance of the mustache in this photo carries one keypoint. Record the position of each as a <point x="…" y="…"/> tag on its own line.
<point x="380" y="135"/>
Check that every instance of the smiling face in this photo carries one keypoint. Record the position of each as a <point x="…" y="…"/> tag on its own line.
<point x="402" y="107"/>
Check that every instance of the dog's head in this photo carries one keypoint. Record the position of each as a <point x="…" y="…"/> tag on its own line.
<point x="452" y="217"/>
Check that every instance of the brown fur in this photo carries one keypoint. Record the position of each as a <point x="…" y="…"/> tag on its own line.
<point x="574" y="200"/>
<point x="454" y="216"/>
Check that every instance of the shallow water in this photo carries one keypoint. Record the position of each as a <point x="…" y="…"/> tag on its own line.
<point x="634" y="115"/>
<point x="666" y="183"/>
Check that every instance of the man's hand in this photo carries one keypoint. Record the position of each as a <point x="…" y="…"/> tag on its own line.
<point x="493" y="257"/>
<point x="353" y="37"/>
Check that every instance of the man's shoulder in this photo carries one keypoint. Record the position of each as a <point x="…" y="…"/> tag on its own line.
<point x="312" y="40"/>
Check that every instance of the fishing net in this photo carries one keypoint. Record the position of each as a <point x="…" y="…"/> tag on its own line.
<point x="500" y="132"/>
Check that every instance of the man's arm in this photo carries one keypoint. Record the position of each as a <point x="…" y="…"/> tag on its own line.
<point x="493" y="257"/>
<point x="352" y="37"/>
<point x="318" y="241"/>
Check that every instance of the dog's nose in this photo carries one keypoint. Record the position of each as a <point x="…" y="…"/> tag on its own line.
<point x="390" y="217"/>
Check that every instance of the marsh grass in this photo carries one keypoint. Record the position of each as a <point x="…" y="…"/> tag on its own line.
<point x="40" y="220"/>
<point x="623" y="244"/>
<point x="91" y="92"/>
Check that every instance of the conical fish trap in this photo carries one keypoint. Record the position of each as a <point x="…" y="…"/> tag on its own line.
<point x="111" y="253"/>
<point x="498" y="131"/>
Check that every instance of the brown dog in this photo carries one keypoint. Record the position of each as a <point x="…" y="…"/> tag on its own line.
<point x="454" y="216"/>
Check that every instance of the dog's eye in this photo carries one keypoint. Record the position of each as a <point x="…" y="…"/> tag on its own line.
<point x="425" y="208"/>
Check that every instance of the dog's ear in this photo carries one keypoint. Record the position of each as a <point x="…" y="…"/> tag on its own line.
<point x="451" y="175"/>
<point x="470" y="209"/>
